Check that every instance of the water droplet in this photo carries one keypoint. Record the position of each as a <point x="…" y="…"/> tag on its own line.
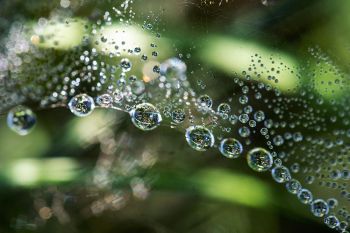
<point x="224" y="108"/>
<point x="81" y="105"/>
<point x="104" y="100"/>
<point x="259" y="159"/>
<point x="305" y="196"/>
<point x="137" y="50"/>
<point x="244" y="132"/>
<point x="199" y="138"/>
<point x="293" y="186"/>
<point x="21" y="120"/>
<point x="205" y="102"/>
<point x="278" y="140"/>
<point x="178" y="116"/>
<point x="281" y="174"/>
<point x="332" y="203"/>
<point x="137" y="87"/>
<point x="126" y="65"/>
<point x="259" y="116"/>
<point x="118" y="96"/>
<point x="231" y="148"/>
<point x="146" y="117"/>
<point x="173" y="68"/>
<point x="331" y="221"/>
<point x="319" y="208"/>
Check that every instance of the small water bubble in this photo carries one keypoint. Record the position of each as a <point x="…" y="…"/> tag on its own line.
<point x="137" y="87"/>
<point x="104" y="39"/>
<point x="243" y="118"/>
<point x="104" y="101"/>
<point x="244" y="132"/>
<point x="297" y="137"/>
<point x="252" y="123"/>
<point x="243" y="99"/>
<point x="259" y="116"/>
<point x="126" y="65"/>
<point x="332" y="203"/>
<point x="144" y="57"/>
<point x="264" y="131"/>
<point x="343" y="225"/>
<point x="248" y="109"/>
<point x="278" y="140"/>
<point x="118" y="96"/>
<point x="156" y="69"/>
<point x="233" y="119"/>
<point x="154" y="54"/>
<point x="295" y="167"/>
<point x="137" y="50"/>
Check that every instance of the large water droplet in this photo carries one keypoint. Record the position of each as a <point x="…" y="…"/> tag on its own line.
<point x="21" y="120"/>
<point x="81" y="105"/>
<point x="331" y="221"/>
<point x="231" y="148"/>
<point x="178" y="116"/>
<point x="281" y="174"/>
<point x="293" y="186"/>
<point x="224" y="108"/>
<point x="205" y="102"/>
<point x="259" y="159"/>
<point x="319" y="208"/>
<point x="199" y="138"/>
<point x="305" y="196"/>
<point x="146" y="117"/>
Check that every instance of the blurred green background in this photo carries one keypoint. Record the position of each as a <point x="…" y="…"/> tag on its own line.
<point x="100" y="174"/>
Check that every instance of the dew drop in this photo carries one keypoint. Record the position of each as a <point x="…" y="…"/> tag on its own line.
<point x="305" y="196"/>
<point x="205" y="102"/>
<point x="259" y="159"/>
<point x="293" y="186"/>
<point x="125" y="64"/>
<point x="281" y="174"/>
<point x="231" y="148"/>
<point x="178" y="116"/>
<point x="331" y="221"/>
<point x="224" y="108"/>
<point x="319" y="208"/>
<point x="199" y="138"/>
<point x="146" y="117"/>
<point x="81" y="105"/>
<point x="21" y="120"/>
<point x="104" y="101"/>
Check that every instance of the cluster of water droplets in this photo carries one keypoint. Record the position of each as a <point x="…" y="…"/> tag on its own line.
<point x="284" y="130"/>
